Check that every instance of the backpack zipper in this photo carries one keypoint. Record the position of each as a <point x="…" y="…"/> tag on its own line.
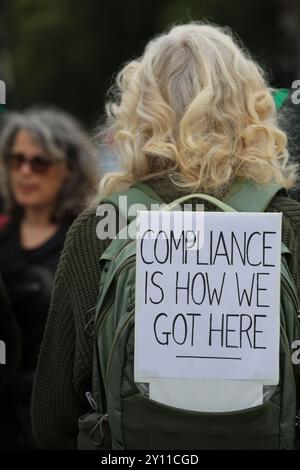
<point x="104" y="315"/>
<point x="91" y="401"/>
<point x="99" y="424"/>
<point x="115" y="341"/>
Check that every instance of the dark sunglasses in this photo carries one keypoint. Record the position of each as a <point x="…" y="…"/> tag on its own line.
<point x="38" y="164"/>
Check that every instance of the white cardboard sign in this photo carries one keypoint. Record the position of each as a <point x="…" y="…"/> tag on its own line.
<point x="208" y="296"/>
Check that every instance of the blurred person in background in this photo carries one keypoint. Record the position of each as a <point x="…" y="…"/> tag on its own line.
<point x="48" y="172"/>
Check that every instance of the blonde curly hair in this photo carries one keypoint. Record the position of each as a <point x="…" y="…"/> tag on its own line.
<point x="195" y="106"/>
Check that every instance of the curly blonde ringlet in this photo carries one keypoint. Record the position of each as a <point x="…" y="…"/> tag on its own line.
<point x="195" y="106"/>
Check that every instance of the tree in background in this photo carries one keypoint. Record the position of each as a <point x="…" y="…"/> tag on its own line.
<point x="65" y="52"/>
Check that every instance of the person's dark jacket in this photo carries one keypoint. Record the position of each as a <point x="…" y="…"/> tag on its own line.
<point x="27" y="275"/>
<point x="10" y="339"/>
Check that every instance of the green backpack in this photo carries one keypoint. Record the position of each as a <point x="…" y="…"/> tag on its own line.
<point x="124" y="417"/>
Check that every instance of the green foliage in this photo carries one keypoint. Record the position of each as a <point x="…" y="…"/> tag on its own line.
<point x="65" y="52"/>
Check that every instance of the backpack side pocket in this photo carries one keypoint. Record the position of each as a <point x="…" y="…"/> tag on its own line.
<point x="94" y="432"/>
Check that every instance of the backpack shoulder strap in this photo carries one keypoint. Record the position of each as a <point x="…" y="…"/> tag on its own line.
<point x="244" y="196"/>
<point x="250" y="197"/>
<point x="139" y="193"/>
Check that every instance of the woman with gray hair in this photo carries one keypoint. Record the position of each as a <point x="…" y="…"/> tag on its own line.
<point x="48" y="169"/>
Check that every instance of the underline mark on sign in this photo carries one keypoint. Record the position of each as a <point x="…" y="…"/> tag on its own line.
<point x="209" y="357"/>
